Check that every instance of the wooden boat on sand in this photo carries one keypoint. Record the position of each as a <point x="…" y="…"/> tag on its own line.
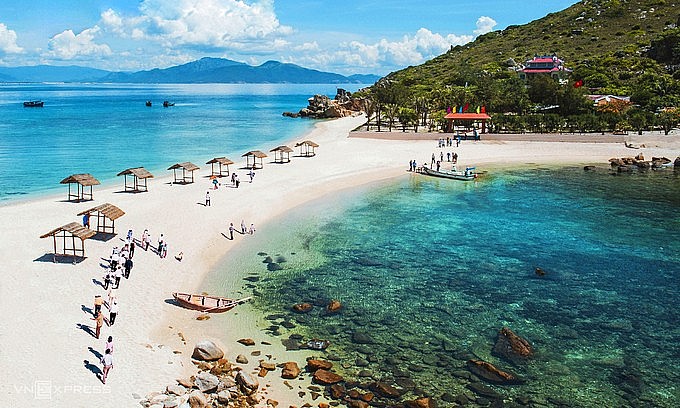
<point x="466" y="175"/>
<point x="206" y="303"/>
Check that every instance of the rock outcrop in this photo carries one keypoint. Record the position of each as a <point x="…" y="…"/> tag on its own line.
<point x="323" y="107"/>
<point x="206" y="350"/>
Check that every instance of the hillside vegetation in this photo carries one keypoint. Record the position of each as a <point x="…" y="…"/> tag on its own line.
<point x="620" y="47"/>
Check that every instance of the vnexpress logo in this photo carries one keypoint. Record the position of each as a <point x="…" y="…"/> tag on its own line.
<point x="42" y="390"/>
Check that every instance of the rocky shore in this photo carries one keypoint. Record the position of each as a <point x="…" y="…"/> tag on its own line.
<point x="323" y="107"/>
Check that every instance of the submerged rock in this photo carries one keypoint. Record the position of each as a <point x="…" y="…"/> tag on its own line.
<point x="302" y="307"/>
<point x="334" y="306"/>
<point x="512" y="347"/>
<point x="315" y="364"/>
<point x="384" y="390"/>
<point x="491" y="373"/>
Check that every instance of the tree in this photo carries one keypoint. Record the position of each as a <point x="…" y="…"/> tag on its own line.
<point x="668" y="119"/>
<point x="391" y="110"/>
<point x="407" y="116"/>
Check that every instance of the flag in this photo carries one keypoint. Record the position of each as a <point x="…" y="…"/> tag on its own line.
<point x="578" y="83"/>
<point x="467" y="106"/>
<point x="460" y="110"/>
<point x="479" y="109"/>
<point x="455" y="109"/>
<point x="483" y="108"/>
<point x="448" y="109"/>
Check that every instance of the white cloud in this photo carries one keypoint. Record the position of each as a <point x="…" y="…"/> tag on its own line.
<point x="216" y="24"/>
<point x="68" y="45"/>
<point x="485" y="25"/>
<point x="8" y="41"/>
<point x="410" y="50"/>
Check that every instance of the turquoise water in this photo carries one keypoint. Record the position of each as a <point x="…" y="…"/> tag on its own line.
<point x="431" y="270"/>
<point x="104" y="129"/>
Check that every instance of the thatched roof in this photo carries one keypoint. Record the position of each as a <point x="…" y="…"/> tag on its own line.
<point x="85" y="179"/>
<point x="283" y="149"/>
<point x="75" y="229"/>
<point x="140" y="172"/>
<point x="186" y="166"/>
<point x="110" y="211"/>
<point x="256" y="153"/>
<point x="306" y="142"/>
<point x="221" y="160"/>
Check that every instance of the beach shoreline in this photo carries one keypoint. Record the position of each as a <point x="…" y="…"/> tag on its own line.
<point x="47" y="305"/>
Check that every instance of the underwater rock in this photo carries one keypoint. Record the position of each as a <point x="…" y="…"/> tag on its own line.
<point x="512" y="347"/>
<point x="384" y="390"/>
<point x="368" y="262"/>
<point x="326" y="377"/>
<point x="405" y="383"/>
<point x="483" y="390"/>
<point x="287" y="324"/>
<point x="262" y="253"/>
<point x="676" y="162"/>
<point x="268" y="260"/>
<point x="539" y="272"/>
<point x="424" y="402"/>
<point x="337" y="391"/>
<point x="315" y="364"/>
<point x="361" y="338"/>
<point x="334" y="306"/>
<point x="491" y="373"/>
<point x="588" y="168"/>
<point x="291" y="344"/>
<point x="271" y="267"/>
<point x="302" y="307"/>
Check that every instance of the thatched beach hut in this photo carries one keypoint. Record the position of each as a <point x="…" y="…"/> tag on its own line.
<point x="139" y="175"/>
<point x="186" y="167"/>
<point x="66" y="240"/>
<point x="307" y="148"/>
<point x="220" y="161"/>
<point x="281" y="150"/>
<point x="255" y="154"/>
<point x="81" y="181"/>
<point x="102" y="213"/>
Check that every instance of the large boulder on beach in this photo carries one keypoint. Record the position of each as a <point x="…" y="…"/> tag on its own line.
<point x="315" y="364"/>
<point x="206" y="350"/>
<point x="290" y="370"/>
<point x="206" y="382"/>
<point x="512" y="347"/>
<point x="247" y="383"/>
<point x="197" y="400"/>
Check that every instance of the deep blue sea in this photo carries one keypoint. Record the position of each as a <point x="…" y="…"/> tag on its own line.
<point x="103" y="129"/>
<point x="430" y="270"/>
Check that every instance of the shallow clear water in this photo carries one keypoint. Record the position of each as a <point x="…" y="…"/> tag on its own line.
<point x="104" y="129"/>
<point x="432" y="269"/>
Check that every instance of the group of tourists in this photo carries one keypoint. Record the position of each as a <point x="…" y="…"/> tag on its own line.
<point x="448" y="141"/>
<point x="119" y="266"/>
<point x="244" y="229"/>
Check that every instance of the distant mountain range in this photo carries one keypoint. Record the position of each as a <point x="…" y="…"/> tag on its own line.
<point x="205" y="70"/>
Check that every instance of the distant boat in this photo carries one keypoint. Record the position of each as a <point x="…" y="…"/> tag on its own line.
<point x="205" y="303"/>
<point x="34" y="104"/>
<point x="166" y="104"/>
<point x="148" y="103"/>
<point x="466" y="175"/>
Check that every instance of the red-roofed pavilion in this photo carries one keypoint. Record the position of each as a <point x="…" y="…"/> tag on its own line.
<point x="467" y="116"/>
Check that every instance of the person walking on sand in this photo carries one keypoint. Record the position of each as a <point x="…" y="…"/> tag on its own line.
<point x="236" y="179"/>
<point x="128" y="238"/>
<point x="207" y="198"/>
<point x="108" y="346"/>
<point x="113" y="312"/>
<point x="252" y="229"/>
<point x="108" y="279"/>
<point x="145" y="240"/>
<point x="231" y="231"/>
<point x="132" y="249"/>
<point x="99" y="322"/>
<point x="243" y="226"/>
<point x="86" y="221"/>
<point x="128" y="267"/>
<point x="98" y="302"/>
<point x="252" y="175"/>
<point x="160" y="244"/>
<point x="112" y="297"/>
<point x="117" y="275"/>
<point x="107" y="362"/>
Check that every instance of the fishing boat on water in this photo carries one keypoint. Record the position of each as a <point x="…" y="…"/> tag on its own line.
<point x="34" y="104"/>
<point x="207" y="303"/>
<point x="467" y="175"/>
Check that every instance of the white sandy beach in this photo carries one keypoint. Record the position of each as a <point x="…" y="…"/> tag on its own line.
<point x="42" y="348"/>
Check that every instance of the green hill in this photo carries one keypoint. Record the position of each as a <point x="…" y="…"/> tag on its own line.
<point x="621" y="47"/>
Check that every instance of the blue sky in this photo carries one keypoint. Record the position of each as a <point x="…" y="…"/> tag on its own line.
<point x="350" y="36"/>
